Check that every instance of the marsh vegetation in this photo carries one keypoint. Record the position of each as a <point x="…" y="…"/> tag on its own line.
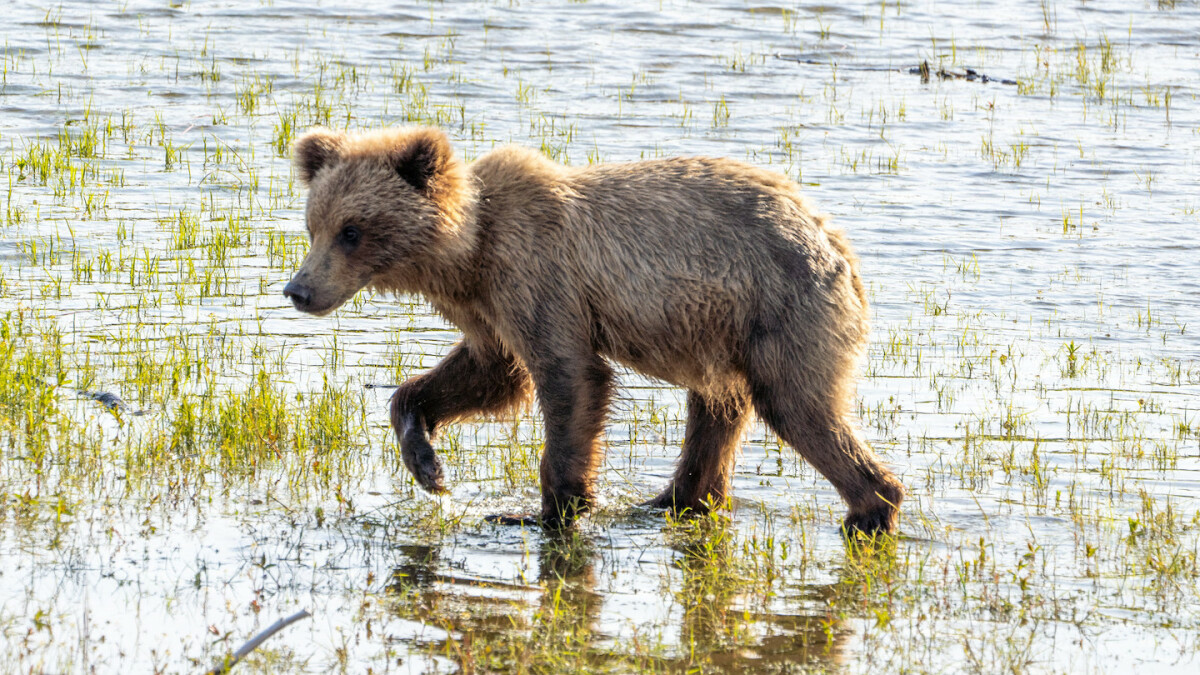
<point x="184" y="458"/>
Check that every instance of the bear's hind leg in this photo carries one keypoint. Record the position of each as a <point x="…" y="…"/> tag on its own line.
<point x="808" y="406"/>
<point x="834" y="448"/>
<point x="476" y="377"/>
<point x="710" y="445"/>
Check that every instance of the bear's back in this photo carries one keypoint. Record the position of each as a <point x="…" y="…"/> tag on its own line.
<point x="671" y="259"/>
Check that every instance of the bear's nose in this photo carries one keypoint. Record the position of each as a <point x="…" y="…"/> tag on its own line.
<point x="299" y="294"/>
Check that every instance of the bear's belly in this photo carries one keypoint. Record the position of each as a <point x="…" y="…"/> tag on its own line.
<point x="679" y="358"/>
<point x="709" y="381"/>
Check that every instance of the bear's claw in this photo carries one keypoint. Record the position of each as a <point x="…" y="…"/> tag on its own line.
<point x="673" y="499"/>
<point x="429" y="475"/>
<point x="421" y="460"/>
<point x="662" y="502"/>
<point x="880" y="520"/>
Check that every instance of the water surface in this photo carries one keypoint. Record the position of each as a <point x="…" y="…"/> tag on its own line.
<point x="1029" y="249"/>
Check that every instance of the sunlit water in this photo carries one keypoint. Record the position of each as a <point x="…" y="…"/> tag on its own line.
<point x="1029" y="248"/>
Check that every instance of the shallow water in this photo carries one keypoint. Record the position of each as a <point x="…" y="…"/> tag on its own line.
<point x="1029" y="249"/>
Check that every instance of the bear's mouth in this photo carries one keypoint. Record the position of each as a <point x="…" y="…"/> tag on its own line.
<point x="310" y="301"/>
<point x="324" y="311"/>
<point x="321" y="294"/>
<point x="316" y="307"/>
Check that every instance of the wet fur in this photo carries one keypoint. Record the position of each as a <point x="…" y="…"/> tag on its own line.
<point x="707" y="273"/>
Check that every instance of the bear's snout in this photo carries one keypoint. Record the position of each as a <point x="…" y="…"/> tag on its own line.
<point x="300" y="295"/>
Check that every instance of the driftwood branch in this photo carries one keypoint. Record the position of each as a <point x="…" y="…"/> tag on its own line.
<point x="228" y="664"/>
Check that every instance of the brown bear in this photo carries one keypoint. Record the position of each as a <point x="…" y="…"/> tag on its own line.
<point x="709" y="274"/>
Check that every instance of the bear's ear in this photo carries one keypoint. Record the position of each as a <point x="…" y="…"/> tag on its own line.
<point x="421" y="156"/>
<point x="316" y="149"/>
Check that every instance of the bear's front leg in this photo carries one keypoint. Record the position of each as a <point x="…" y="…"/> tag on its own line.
<point x="574" y="394"/>
<point x="418" y="454"/>
<point x="476" y="377"/>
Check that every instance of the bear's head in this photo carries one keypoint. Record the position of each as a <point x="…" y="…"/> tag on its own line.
<point x="384" y="208"/>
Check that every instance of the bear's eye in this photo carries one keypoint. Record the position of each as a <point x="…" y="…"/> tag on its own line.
<point x="349" y="237"/>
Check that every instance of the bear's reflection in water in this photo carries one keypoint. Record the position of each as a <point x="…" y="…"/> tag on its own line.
<point x="575" y="613"/>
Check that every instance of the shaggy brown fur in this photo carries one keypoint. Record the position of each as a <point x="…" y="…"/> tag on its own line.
<point x="707" y="273"/>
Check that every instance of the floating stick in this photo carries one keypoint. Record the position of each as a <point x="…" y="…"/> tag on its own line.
<point x="255" y="641"/>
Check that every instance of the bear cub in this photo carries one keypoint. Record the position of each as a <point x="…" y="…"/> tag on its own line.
<point x="710" y="274"/>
